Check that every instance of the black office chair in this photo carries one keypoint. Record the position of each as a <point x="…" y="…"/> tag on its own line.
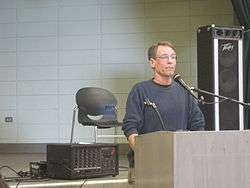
<point x="96" y="107"/>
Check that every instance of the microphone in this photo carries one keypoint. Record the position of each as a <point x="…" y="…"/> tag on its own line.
<point x="180" y="81"/>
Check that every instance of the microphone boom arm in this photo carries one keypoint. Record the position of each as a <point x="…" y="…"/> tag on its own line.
<point x="197" y="90"/>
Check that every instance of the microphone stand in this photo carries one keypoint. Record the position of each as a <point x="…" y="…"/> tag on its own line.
<point x="197" y="90"/>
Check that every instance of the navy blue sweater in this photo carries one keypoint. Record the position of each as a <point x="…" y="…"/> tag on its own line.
<point x="177" y="108"/>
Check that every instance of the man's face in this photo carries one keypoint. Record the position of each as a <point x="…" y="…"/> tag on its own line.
<point x="165" y="62"/>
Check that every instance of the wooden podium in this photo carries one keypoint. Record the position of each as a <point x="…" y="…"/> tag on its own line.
<point x="199" y="159"/>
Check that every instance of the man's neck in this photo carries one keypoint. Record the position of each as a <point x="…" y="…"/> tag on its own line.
<point x="163" y="80"/>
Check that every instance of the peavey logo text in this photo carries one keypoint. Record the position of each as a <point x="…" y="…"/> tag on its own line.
<point x="227" y="47"/>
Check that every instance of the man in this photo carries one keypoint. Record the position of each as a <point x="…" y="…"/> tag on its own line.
<point x="160" y="103"/>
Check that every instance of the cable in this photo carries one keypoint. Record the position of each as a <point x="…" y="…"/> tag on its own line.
<point x="85" y="180"/>
<point x="159" y="115"/>
<point x="8" y="167"/>
<point x="18" y="183"/>
<point x="153" y="105"/>
<point x="211" y="103"/>
<point x="21" y="176"/>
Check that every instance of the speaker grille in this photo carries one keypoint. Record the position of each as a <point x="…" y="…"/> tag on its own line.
<point x="228" y="83"/>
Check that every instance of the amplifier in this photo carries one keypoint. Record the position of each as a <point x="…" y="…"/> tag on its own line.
<point x="81" y="161"/>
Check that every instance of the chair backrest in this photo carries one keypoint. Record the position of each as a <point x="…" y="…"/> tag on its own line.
<point x="96" y="106"/>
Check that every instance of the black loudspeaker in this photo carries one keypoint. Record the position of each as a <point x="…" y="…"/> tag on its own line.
<point x="220" y="71"/>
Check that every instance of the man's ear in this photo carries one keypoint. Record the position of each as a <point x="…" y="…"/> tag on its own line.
<point x="152" y="63"/>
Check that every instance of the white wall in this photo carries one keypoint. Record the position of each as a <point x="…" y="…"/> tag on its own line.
<point x="51" y="48"/>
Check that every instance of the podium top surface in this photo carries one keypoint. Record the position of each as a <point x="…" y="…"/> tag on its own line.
<point x="224" y="132"/>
